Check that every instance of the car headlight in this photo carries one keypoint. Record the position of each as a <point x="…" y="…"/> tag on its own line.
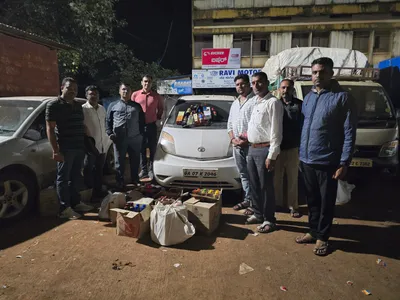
<point x="389" y="149"/>
<point x="167" y="143"/>
<point x="230" y="151"/>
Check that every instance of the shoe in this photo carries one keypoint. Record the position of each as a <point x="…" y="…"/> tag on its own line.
<point x="82" y="207"/>
<point x="69" y="213"/>
<point x="143" y="174"/>
<point x="253" y="220"/>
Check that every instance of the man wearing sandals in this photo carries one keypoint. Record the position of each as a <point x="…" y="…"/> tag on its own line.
<point x="239" y="117"/>
<point x="288" y="160"/>
<point x="326" y="148"/>
<point x="265" y="135"/>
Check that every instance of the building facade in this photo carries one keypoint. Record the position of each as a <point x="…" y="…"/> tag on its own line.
<point x="262" y="28"/>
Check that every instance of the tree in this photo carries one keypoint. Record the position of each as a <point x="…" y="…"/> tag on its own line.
<point x="87" y="25"/>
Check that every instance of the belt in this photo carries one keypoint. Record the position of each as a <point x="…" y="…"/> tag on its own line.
<point x="260" y="145"/>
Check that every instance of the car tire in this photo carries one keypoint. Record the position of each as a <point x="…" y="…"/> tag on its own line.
<point x="23" y="189"/>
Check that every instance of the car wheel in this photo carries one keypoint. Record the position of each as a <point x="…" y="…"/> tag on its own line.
<point x="17" y="195"/>
<point x="109" y="167"/>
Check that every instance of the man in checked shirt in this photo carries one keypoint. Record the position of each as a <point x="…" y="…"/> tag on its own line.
<point x="264" y="134"/>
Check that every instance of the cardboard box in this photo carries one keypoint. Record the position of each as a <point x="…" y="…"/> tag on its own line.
<point x="118" y="201"/>
<point x="132" y="224"/>
<point x="205" y="216"/>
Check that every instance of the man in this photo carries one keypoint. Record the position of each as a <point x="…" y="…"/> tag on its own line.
<point x="66" y="132"/>
<point x="239" y="117"/>
<point x="265" y="135"/>
<point x="288" y="160"/>
<point x="153" y="106"/>
<point x="326" y="148"/>
<point x="125" y="126"/>
<point x="95" y="122"/>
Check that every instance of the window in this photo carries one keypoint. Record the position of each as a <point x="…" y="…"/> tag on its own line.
<point x="202" y="42"/>
<point x="320" y="39"/>
<point x="300" y="40"/>
<point x="261" y="44"/>
<point x="382" y="41"/>
<point x="242" y="42"/>
<point x="361" y="40"/>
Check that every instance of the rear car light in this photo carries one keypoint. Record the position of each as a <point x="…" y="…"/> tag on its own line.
<point x="389" y="149"/>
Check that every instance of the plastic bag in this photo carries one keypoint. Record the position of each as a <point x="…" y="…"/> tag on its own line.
<point x="169" y="225"/>
<point x="344" y="192"/>
<point x="117" y="200"/>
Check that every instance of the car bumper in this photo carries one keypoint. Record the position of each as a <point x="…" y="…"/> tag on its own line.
<point x="168" y="172"/>
<point x="378" y="163"/>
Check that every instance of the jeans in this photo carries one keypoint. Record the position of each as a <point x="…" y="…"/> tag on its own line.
<point x="69" y="178"/>
<point x="149" y="141"/>
<point x="132" y="146"/>
<point x="240" y="155"/>
<point x="261" y="184"/>
<point x="93" y="172"/>
<point x="287" y="163"/>
<point x="321" y="190"/>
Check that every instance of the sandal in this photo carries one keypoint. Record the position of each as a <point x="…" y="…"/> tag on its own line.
<point x="266" y="227"/>
<point x="295" y="214"/>
<point x="321" y="248"/>
<point x="241" y="205"/>
<point x="306" y="239"/>
<point x="253" y="220"/>
<point x="248" y="212"/>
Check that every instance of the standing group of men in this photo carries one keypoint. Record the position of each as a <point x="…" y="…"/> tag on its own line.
<point x="275" y="137"/>
<point x="80" y="134"/>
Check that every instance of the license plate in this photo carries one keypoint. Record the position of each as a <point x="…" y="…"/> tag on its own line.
<point x="361" y="163"/>
<point x="200" y="173"/>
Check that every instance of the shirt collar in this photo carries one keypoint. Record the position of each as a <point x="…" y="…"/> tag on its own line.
<point x="266" y="97"/>
<point x="146" y="93"/>
<point x="90" y="105"/>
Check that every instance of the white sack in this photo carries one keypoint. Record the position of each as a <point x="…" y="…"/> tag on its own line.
<point x="344" y="192"/>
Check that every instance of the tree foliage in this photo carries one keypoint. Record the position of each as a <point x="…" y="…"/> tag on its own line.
<point x="87" y="25"/>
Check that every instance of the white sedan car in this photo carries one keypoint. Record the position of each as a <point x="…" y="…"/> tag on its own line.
<point x="26" y="164"/>
<point x="197" y="156"/>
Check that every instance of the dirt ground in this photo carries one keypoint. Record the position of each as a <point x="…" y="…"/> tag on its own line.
<point x="45" y="258"/>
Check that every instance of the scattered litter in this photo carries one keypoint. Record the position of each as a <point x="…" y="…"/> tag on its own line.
<point x="19" y="256"/>
<point x="335" y="222"/>
<point x="349" y="282"/>
<point x="380" y="262"/>
<point x="32" y="259"/>
<point x="118" y="265"/>
<point x="283" y="289"/>
<point x="183" y="277"/>
<point x="5" y="286"/>
<point x="366" y="292"/>
<point x="255" y="234"/>
<point x="100" y="234"/>
<point x="177" y="265"/>
<point x="56" y="229"/>
<point x="268" y="268"/>
<point x="244" y="269"/>
<point x="164" y="250"/>
<point x="96" y="222"/>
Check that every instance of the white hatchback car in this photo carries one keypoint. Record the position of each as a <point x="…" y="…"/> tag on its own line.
<point x="197" y="156"/>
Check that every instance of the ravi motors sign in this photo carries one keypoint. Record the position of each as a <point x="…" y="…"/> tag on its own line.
<point x="220" y="58"/>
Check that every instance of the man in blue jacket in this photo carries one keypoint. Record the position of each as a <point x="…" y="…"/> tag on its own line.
<point x="125" y="127"/>
<point x="326" y="149"/>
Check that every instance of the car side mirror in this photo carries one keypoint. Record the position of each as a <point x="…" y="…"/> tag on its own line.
<point x="33" y="135"/>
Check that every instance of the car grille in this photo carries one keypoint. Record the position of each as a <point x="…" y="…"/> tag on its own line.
<point x="367" y="151"/>
<point x="201" y="183"/>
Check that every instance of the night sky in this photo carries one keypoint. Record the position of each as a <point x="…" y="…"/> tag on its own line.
<point x="147" y="31"/>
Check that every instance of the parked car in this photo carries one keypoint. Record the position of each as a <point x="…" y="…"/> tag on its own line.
<point x="26" y="164"/>
<point x="199" y="156"/>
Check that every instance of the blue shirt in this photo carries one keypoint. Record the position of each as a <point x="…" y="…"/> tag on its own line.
<point x="329" y="129"/>
<point x="125" y="119"/>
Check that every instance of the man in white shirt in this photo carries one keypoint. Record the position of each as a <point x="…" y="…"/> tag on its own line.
<point x="239" y="117"/>
<point x="95" y="121"/>
<point x="264" y="134"/>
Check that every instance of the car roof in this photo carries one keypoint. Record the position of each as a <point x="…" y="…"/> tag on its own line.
<point x="33" y="98"/>
<point x="358" y="83"/>
<point x="208" y="97"/>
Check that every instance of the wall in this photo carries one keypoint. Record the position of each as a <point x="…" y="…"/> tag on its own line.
<point x="27" y="68"/>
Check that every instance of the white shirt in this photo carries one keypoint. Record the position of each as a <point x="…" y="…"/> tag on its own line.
<point x="95" y="121"/>
<point x="239" y="115"/>
<point x="266" y="124"/>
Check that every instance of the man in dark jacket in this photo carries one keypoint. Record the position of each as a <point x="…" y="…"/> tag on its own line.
<point x="125" y="126"/>
<point x="326" y="149"/>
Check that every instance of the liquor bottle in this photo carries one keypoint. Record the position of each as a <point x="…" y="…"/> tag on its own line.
<point x="185" y="118"/>
<point x="214" y="112"/>
<point x="190" y="120"/>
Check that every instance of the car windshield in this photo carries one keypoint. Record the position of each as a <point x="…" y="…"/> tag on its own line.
<point x="14" y="113"/>
<point x="200" y="114"/>
<point x="372" y="101"/>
